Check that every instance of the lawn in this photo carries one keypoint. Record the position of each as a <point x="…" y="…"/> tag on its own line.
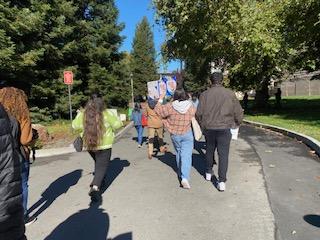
<point x="298" y="113"/>
<point x="61" y="133"/>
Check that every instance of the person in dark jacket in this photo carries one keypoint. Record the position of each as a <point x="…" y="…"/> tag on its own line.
<point x="11" y="209"/>
<point x="14" y="101"/>
<point x="136" y="117"/>
<point x="218" y="111"/>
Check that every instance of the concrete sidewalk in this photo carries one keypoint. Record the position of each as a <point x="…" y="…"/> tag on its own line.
<point x="144" y="200"/>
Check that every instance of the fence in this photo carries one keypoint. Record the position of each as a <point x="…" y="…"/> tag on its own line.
<point x="302" y="84"/>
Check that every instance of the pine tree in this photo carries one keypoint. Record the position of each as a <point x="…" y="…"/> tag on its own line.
<point x="143" y="65"/>
<point x="39" y="39"/>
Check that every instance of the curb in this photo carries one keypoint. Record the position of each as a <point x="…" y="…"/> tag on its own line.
<point x="70" y="149"/>
<point x="309" y="141"/>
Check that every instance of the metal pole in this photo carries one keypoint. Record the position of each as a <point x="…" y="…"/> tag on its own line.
<point x="132" y="97"/>
<point x="70" y="106"/>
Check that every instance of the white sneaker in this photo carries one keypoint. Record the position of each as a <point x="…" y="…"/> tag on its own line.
<point x="185" y="183"/>
<point x="29" y="221"/>
<point x="221" y="186"/>
<point x="208" y="176"/>
<point x="139" y="146"/>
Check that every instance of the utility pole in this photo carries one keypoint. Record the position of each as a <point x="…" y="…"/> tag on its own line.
<point x="132" y="97"/>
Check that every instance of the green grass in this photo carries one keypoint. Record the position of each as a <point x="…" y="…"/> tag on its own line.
<point x="59" y="126"/>
<point x="298" y="113"/>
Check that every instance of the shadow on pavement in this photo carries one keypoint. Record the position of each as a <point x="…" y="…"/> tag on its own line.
<point x="169" y="159"/>
<point x="92" y="223"/>
<point x="273" y="140"/>
<point x="144" y="140"/>
<point x="199" y="160"/>
<point x="55" y="189"/>
<point x="313" y="220"/>
<point x="115" y="168"/>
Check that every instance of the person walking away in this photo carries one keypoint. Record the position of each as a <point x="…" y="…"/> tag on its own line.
<point x="219" y="110"/>
<point x="278" y="98"/>
<point x="14" y="102"/>
<point x="136" y="117"/>
<point x="155" y="126"/>
<point x="11" y="209"/>
<point x="97" y="126"/>
<point x="177" y="116"/>
<point x="195" y="99"/>
<point x="245" y="101"/>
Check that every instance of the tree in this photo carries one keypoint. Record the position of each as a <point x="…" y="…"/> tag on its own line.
<point x="41" y="39"/>
<point x="241" y="36"/>
<point x="143" y="65"/>
<point x="301" y="30"/>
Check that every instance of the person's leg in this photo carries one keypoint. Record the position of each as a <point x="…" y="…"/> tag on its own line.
<point x="176" y="140"/>
<point x="210" y="136"/>
<point x="140" y="134"/>
<point x="137" y="129"/>
<point x="93" y="155"/>
<point x="160" y="139"/>
<point x="151" y="132"/>
<point x="223" y="146"/>
<point x="186" y="155"/>
<point x="101" y="164"/>
<point x="25" y="169"/>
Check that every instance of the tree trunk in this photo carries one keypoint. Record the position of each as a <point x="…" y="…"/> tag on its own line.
<point x="262" y="95"/>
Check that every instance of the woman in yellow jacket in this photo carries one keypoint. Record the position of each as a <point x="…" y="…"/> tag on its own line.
<point x="97" y="127"/>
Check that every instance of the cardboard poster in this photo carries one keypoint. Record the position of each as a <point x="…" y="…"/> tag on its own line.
<point x="166" y="85"/>
<point x="153" y="89"/>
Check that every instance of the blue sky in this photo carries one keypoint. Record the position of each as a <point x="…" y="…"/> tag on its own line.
<point x="131" y="13"/>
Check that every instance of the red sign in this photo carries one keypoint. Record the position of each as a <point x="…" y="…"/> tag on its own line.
<point x="68" y="77"/>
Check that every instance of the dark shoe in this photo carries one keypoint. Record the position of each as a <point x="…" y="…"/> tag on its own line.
<point x="95" y="194"/>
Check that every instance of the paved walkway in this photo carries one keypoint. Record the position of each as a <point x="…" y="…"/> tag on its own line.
<point x="292" y="177"/>
<point x="144" y="200"/>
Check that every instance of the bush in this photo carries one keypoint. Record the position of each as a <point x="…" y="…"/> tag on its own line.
<point x="40" y="115"/>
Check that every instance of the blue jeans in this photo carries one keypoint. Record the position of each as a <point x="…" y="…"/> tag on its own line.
<point x="25" y="168"/>
<point x="183" y="145"/>
<point x="139" y="129"/>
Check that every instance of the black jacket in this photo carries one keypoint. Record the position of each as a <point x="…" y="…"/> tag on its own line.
<point x="11" y="210"/>
<point x="219" y="109"/>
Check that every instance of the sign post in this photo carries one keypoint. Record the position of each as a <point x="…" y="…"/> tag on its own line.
<point x="68" y="80"/>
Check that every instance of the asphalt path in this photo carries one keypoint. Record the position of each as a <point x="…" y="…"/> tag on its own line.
<point x="292" y="175"/>
<point x="144" y="201"/>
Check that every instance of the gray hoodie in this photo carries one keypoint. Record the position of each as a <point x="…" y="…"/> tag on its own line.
<point x="181" y="106"/>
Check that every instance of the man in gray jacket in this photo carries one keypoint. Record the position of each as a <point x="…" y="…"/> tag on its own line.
<point x="218" y="111"/>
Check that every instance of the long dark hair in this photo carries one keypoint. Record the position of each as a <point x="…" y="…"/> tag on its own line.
<point x="180" y="95"/>
<point x="93" y="122"/>
<point x="137" y="107"/>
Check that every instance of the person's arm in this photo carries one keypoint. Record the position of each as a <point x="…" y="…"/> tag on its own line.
<point x="77" y="123"/>
<point x="26" y="132"/>
<point x="113" y="121"/>
<point x="162" y="110"/>
<point x="199" y="112"/>
<point x="238" y="111"/>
